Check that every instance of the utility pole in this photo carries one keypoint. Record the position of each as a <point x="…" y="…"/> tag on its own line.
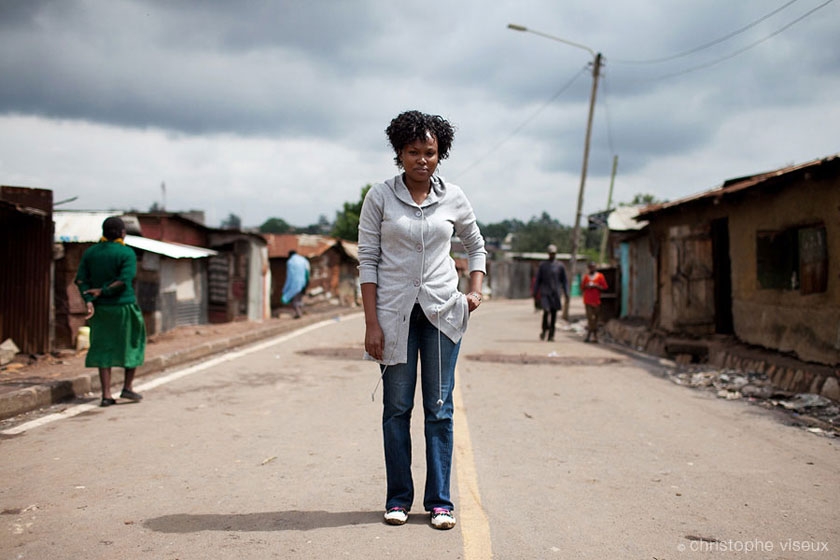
<point x="596" y="72"/>
<point x="606" y="233"/>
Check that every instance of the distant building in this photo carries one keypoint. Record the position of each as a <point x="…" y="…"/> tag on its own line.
<point x="171" y="281"/>
<point x="629" y="251"/>
<point x="333" y="266"/>
<point x="758" y="257"/>
<point x="510" y="274"/>
<point x="238" y="276"/>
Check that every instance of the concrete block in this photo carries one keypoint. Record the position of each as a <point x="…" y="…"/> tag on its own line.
<point x="798" y="379"/>
<point x="152" y="365"/>
<point x="656" y="347"/>
<point x="831" y="389"/>
<point x="8" y="351"/>
<point x="683" y="359"/>
<point x="252" y="337"/>
<point x="17" y="402"/>
<point x="81" y="384"/>
<point x="237" y="340"/>
<point x="44" y="395"/>
<point x="219" y="346"/>
<point x="787" y="380"/>
<point x="816" y="383"/>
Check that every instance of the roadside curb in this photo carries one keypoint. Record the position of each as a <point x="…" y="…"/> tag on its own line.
<point x="46" y="394"/>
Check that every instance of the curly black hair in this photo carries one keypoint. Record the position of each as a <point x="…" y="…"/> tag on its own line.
<point x="412" y="126"/>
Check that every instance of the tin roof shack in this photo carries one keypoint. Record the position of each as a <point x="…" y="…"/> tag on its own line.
<point x="171" y="281"/>
<point x="26" y="231"/>
<point x="757" y="257"/>
<point x="629" y="247"/>
<point x="237" y="277"/>
<point x="333" y="266"/>
<point x="248" y="276"/>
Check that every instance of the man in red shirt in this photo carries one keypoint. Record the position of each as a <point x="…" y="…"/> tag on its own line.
<point x="593" y="284"/>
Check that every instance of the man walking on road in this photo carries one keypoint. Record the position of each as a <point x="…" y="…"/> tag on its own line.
<point x="549" y="287"/>
<point x="117" y="331"/>
<point x="297" y="279"/>
<point x="593" y="284"/>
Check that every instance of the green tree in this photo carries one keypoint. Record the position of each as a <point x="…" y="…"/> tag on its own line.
<point x="539" y="232"/>
<point x="275" y="225"/>
<point x="500" y="230"/>
<point x="347" y="220"/>
<point x="642" y="199"/>
<point x="321" y="227"/>
<point x="232" y="222"/>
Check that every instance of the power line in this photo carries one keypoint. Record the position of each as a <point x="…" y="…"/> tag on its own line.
<point x="742" y="50"/>
<point x="710" y="43"/>
<point x="557" y="94"/>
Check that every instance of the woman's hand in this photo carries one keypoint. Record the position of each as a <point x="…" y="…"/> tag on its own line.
<point x="95" y="292"/>
<point x="89" y="310"/>
<point x="374" y="341"/>
<point x="473" y="300"/>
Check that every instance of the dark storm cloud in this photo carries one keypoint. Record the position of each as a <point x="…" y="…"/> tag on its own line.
<point x="19" y="12"/>
<point x="304" y="68"/>
<point x="325" y="30"/>
<point x="178" y="67"/>
<point x="314" y="83"/>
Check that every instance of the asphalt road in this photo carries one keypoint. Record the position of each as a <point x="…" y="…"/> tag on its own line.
<point x="563" y="450"/>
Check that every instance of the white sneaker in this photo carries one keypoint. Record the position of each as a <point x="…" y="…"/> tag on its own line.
<point x="396" y="516"/>
<point x="442" y="518"/>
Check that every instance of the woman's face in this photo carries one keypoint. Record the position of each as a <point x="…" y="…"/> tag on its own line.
<point x="420" y="159"/>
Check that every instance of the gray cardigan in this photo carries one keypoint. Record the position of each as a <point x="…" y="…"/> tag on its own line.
<point x="404" y="249"/>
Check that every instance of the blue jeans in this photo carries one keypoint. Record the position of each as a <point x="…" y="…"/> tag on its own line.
<point x="398" y="400"/>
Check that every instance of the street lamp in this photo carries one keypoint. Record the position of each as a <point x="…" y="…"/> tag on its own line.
<point x="596" y="67"/>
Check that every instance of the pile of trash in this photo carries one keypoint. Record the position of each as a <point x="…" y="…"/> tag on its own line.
<point x="757" y="387"/>
<point x="577" y="327"/>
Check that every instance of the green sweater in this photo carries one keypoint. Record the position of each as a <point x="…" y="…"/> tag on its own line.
<point x="102" y="265"/>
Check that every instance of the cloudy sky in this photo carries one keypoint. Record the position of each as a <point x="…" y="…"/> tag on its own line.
<point x="278" y="107"/>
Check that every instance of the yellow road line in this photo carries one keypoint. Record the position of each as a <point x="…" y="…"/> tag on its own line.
<point x="475" y="528"/>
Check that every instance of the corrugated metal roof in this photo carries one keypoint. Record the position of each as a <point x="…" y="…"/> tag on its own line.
<point x="309" y="246"/>
<point x="732" y="186"/>
<point x="352" y="249"/>
<point x="171" y="250"/>
<point x="540" y="256"/>
<point x="86" y="227"/>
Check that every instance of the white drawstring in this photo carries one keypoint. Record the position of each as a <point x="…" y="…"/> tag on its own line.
<point x="381" y="377"/>
<point x="440" y="366"/>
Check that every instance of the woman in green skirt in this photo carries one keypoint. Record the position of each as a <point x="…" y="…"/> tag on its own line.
<point x="117" y="331"/>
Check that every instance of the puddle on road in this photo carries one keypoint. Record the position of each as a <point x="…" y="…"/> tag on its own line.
<point x="543" y="359"/>
<point x="351" y="354"/>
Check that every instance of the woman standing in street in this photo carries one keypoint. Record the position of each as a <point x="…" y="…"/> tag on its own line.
<point x="412" y="304"/>
<point x="117" y="331"/>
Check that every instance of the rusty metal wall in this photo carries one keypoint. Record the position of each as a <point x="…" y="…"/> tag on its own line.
<point x="26" y="236"/>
